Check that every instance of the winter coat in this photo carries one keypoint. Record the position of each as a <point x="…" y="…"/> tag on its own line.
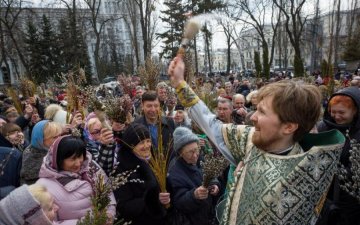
<point x="33" y="155"/>
<point x="31" y="163"/>
<point x="184" y="179"/>
<point x="22" y="122"/>
<point x="20" y="207"/>
<point x="138" y="202"/>
<point x="71" y="191"/>
<point x="348" y="205"/>
<point x="6" y="143"/>
<point x="10" y="165"/>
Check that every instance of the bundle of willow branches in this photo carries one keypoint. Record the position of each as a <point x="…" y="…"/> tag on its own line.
<point x="27" y="88"/>
<point x="75" y="99"/>
<point x="159" y="160"/>
<point x="15" y="98"/>
<point x="101" y="200"/>
<point x="149" y="74"/>
<point x="351" y="177"/>
<point x="118" y="109"/>
<point x="207" y="95"/>
<point x="126" y="84"/>
<point x="212" y="166"/>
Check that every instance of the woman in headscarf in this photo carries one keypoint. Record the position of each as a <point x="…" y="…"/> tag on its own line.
<point x="43" y="135"/>
<point x="30" y="205"/>
<point x="69" y="174"/>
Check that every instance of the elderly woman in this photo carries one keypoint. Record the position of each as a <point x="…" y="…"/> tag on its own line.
<point x="32" y="205"/>
<point x="43" y="135"/>
<point x="142" y="203"/>
<point x="69" y="174"/>
<point x="191" y="200"/>
<point x="100" y="143"/>
<point x="342" y="114"/>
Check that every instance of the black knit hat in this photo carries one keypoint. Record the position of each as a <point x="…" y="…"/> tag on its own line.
<point x="179" y="107"/>
<point x="133" y="135"/>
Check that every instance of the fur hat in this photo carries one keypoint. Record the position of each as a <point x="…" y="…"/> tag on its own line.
<point x="55" y="113"/>
<point x="183" y="136"/>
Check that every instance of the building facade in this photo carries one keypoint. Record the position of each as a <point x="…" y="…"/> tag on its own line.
<point x="115" y="35"/>
<point x="317" y="35"/>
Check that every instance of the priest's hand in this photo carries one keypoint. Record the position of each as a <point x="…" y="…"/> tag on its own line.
<point x="176" y="71"/>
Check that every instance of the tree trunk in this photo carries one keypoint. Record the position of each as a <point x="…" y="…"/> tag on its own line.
<point x="207" y="46"/>
<point x="298" y="63"/>
<point x="265" y="57"/>
<point x="228" y="64"/>
<point x="336" y="38"/>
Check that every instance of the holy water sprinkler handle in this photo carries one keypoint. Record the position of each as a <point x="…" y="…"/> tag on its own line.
<point x="182" y="50"/>
<point x="192" y="27"/>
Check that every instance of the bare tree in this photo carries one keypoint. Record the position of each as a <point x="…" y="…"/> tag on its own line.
<point x="256" y="13"/>
<point x="229" y="29"/>
<point x="294" y="25"/>
<point x="97" y="23"/>
<point x="4" y="58"/>
<point x="11" y="28"/>
<point x="315" y="34"/>
<point x="130" y="18"/>
<point x="337" y="32"/>
<point x="142" y="10"/>
<point x="353" y="13"/>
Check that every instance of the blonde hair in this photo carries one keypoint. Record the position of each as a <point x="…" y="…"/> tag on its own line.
<point x="41" y="194"/>
<point x="221" y="90"/>
<point x="92" y="122"/>
<point x="51" y="111"/>
<point x="52" y="129"/>
<point x="250" y="95"/>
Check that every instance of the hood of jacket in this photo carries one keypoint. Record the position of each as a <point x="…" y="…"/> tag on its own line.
<point x="50" y="170"/>
<point x="5" y="142"/>
<point x="354" y="94"/>
<point x="20" y="207"/>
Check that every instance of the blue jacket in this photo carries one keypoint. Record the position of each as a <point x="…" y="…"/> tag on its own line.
<point x="184" y="179"/>
<point x="10" y="165"/>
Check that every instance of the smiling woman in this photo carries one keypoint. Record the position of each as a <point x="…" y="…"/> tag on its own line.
<point x="343" y="114"/>
<point x="68" y="173"/>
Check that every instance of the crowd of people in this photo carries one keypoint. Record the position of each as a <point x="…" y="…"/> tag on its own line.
<point x="284" y="141"/>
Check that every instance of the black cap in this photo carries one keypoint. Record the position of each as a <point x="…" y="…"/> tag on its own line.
<point x="179" y="107"/>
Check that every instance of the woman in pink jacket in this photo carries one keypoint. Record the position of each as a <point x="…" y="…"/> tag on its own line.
<point x="66" y="173"/>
